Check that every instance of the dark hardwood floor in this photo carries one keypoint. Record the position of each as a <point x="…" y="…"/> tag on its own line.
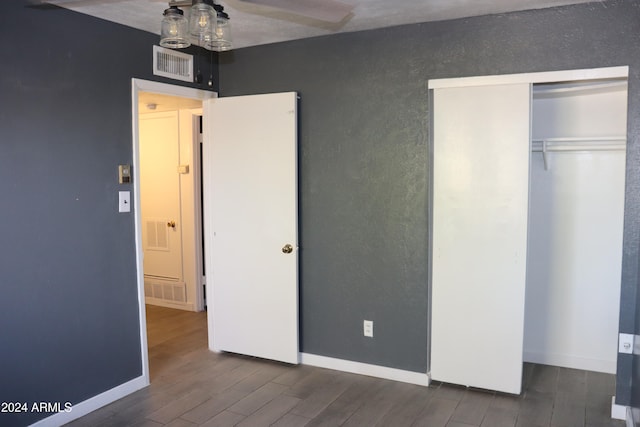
<point x="192" y="386"/>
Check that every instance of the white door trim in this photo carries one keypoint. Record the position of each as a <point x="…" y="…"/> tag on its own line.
<point x="541" y="77"/>
<point x="139" y="85"/>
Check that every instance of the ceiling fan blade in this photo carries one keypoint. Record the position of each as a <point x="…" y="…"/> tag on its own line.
<point x="70" y="2"/>
<point x="179" y="3"/>
<point x="78" y="3"/>
<point x="323" y="10"/>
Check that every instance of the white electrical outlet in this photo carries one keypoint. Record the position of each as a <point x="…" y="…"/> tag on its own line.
<point x="625" y="343"/>
<point x="368" y="328"/>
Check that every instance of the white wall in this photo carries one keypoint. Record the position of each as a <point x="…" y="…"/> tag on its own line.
<point x="575" y="231"/>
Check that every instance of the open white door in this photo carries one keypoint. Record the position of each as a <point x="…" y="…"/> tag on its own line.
<point x="480" y="209"/>
<point x="251" y="224"/>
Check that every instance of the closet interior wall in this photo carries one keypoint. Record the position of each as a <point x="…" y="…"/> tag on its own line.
<point x="576" y="211"/>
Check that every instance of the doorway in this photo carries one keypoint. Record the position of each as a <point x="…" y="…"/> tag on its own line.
<point x="273" y="144"/>
<point x="179" y="96"/>
<point x="170" y="136"/>
<point x="576" y="210"/>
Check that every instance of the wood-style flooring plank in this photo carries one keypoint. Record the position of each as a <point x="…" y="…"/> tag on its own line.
<point x="536" y="411"/>
<point x="271" y="412"/>
<point x="322" y="397"/>
<point x="179" y="422"/>
<point x="224" y="419"/>
<point x="291" y="420"/>
<point x="310" y="383"/>
<point x="213" y="406"/>
<point x="258" y="398"/>
<point x="472" y="407"/>
<point x="437" y="413"/>
<point x="346" y="404"/>
<point x="176" y="408"/>
<point x="294" y="374"/>
<point x="377" y="405"/>
<point x="496" y="417"/>
<point x="544" y="379"/>
<point x="406" y="412"/>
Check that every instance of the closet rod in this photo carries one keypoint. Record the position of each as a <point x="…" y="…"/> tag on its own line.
<point x="582" y="138"/>
<point x="600" y="143"/>
<point x="550" y="148"/>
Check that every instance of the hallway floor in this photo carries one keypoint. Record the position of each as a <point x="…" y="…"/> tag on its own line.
<point x="191" y="386"/>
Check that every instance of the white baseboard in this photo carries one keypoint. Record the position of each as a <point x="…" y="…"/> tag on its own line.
<point x="567" y="361"/>
<point x="365" y="369"/>
<point x="618" y="412"/>
<point x="96" y="402"/>
<point x="631" y="417"/>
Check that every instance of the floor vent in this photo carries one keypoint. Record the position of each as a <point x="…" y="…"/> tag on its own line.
<point x="172" y="64"/>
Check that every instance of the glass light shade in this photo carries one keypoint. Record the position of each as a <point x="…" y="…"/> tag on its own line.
<point x="222" y="37"/>
<point x="173" y="31"/>
<point x="222" y="40"/>
<point x="202" y="23"/>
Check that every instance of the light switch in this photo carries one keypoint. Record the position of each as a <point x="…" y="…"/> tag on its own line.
<point x="124" y="201"/>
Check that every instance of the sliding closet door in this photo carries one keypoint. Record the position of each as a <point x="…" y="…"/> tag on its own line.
<point x="480" y="203"/>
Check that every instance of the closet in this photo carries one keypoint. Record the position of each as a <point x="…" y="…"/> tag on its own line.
<point x="576" y="207"/>
<point x="527" y="199"/>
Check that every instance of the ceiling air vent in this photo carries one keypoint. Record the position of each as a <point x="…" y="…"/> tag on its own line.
<point x="172" y="64"/>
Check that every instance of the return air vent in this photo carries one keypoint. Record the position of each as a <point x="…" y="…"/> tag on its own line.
<point x="157" y="235"/>
<point x="161" y="290"/>
<point x="172" y="64"/>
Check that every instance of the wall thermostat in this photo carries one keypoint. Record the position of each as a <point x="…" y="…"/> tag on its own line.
<point x="124" y="174"/>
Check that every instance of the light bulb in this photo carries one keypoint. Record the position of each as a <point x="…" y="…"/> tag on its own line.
<point x="173" y="30"/>
<point x="203" y="21"/>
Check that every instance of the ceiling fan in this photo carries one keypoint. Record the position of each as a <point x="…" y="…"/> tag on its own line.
<point x="331" y="11"/>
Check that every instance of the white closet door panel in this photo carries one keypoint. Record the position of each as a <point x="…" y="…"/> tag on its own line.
<point x="481" y="190"/>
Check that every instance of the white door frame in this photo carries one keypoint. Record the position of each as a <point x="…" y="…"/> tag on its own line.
<point x="137" y="86"/>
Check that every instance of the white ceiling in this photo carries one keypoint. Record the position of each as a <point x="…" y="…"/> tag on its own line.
<point x="254" y="25"/>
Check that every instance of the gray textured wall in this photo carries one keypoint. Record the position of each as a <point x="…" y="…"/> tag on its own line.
<point x="68" y="307"/>
<point x="635" y="385"/>
<point x="68" y="311"/>
<point x="364" y="156"/>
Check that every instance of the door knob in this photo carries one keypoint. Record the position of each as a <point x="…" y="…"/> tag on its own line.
<point x="287" y="249"/>
<point x="171" y="224"/>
